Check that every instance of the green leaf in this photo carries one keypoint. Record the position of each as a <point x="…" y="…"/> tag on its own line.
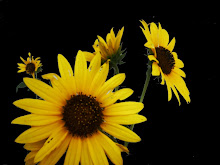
<point x="20" y="85"/>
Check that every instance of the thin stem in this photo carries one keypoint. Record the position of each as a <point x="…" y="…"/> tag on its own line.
<point x="116" y="71"/>
<point x="148" y="75"/>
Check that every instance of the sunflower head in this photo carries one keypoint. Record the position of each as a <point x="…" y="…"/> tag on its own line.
<point x="109" y="49"/>
<point x="78" y="114"/>
<point x="30" y="65"/>
<point x="165" y="62"/>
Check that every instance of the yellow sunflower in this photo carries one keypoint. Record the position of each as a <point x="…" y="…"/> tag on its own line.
<point x="30" y="66"/>
<point x="78" y="114"/>
<point x="107" y="49"/>
<point x="165" y="62"/>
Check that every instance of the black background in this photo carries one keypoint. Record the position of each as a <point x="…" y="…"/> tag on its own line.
<point x="173" y="134"/>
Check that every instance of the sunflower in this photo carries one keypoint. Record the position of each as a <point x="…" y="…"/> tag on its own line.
<point x="30" y="66"/>
<point x="165" y="62"/>
<point x="78" y="114"/>
<point x="111" y="49"/>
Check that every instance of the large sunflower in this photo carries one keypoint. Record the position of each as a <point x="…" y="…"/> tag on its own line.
<point x="78" y="114"/>
<point x="30" y="66"/>
<point x="165" y="62"/>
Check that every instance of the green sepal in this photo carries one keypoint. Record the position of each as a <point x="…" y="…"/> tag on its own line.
<point x="20" y="85"/>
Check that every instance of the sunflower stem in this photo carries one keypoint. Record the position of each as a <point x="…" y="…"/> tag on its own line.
<point x="148" y="75"/>
<point x="116" y="71"/>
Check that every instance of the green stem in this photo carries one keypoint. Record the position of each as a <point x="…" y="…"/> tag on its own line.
<point x="116" y="71"/>
<point x="148" y="75"/>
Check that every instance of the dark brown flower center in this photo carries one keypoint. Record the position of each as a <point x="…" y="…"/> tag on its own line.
<point x="30" y="68"/>
<point x="166" y="59"/>
<point x="82" y="115"/>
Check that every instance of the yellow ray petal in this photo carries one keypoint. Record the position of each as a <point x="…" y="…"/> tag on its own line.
<point x="36" y="120"/>
<point x="110" y="148"/>
<point x="179" y="72"/>
<point x="64" y="67"/>
<point x="118" y="38"/>
<point x="170" y="84"/>
<point x="125" y="120"/>
<point x="146" y="31"/>
<point x="34" y="146"/>
<point x="30" y="155"/>
<point x="85" y="155"/>
<point x="80" y="71"/>
<point x="94" y="148"/>
<point x="110" y="84"/>
<point x="44" y="91"/>
<point x="179" y="63"/>
<point x="99" y="78"/>
<point x="57" y="153"/>
<point x="55" y="139"/>
<point x="94" y="66"/>
<point x="155" y="69"/>
<point x="111" y="98"/>
<point x="39" y="107"/>
<point x="89" y="56"/>
<point x="35" y="134"/>
<point x="149" y="44"/>
<point x="163" y="38"/>
<point x="154" y="34"/>
<point x="74" y="151"/>
<point x="102" y="41"/>
<point x="123" y="108"/>
<point x="152" y="58"/>
<point x="171" y="45"/>
<point x="180" y="84"/>
<point x="120" y="132"/>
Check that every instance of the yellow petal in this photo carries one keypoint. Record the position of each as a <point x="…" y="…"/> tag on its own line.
<point x="85" y="155"/>
<point x="120" y="132"/>
<point x="39" y="107"/>
<point x="74" y="151"/>
<point x="36" y="120"/>
<point x="110" y="148"/>
<point x="44" y="91"/>
<point x="34" y="146"/>
<point x="35" y="134"/>
<point x="152" y="58"/>
<point x="123" y="108"/>
<point x="102" y="41"/>
<point x="126" y="120"/>
<point x="118" y="38"/>
<point x="155" y="69"/>
<point x="149" y="44"/>
<point x="30" y="155"/>
<point x="110" y="84"/>
<point x="111" y="98"/>
<point x="99" y="78"/>
<point x="179" y="72"/>
<point x="171" y="45"/>
<point x="154" y="34"/>
<point x="55" y="139"/>
<point x="64" y="67"/>
<point x="89" y="56"/>
<point x="179" y="63"/>
<point x="57" y="153"/>
<point x="163" y="38"/>
<point x="80" y="71"/>
<point x="146" y="30"/>
<point x="94" y="148"/>
<point x="180" y="84"/>
<point x="170" y="85"/>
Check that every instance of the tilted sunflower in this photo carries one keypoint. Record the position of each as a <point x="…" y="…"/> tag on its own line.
<point x="30" y="66"/>
<point x="109" y="49"/>
<point x="165" y="62"/>
<point x="77" y="115"/>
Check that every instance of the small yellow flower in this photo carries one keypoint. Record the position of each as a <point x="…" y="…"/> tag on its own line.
<point x="76" y="114"/>
<point x="107" y="48"/>
<point x="165" y="62"/>
<point x="30" y="66"/>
